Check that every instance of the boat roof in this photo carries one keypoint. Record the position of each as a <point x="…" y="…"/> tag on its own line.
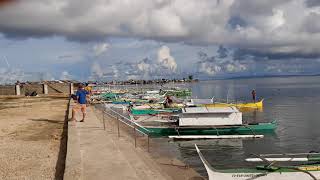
<point x="201" y="101"/>
<point x="196" y="110"/>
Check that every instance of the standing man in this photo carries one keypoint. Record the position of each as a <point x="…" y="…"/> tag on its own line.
<point x="80" y="103"/>
<point x="253" y="93"/>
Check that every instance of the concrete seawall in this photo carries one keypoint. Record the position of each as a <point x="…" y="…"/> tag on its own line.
<point x="39" y="88"/>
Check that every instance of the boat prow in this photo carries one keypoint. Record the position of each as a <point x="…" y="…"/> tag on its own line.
<point x="209" y="168"/>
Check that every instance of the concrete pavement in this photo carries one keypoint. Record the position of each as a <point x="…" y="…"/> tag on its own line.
<point x="93" y="153"/>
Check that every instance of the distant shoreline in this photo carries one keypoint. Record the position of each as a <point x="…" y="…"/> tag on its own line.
<point x="181" y="81"/>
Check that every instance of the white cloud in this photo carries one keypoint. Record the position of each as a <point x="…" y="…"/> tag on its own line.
<point x="96" y="70"/>
<point x="209" y="68"/>
<point x="101" y="48"/>
<point x="65" y="75"/>
<point x="165" y="59"/>
<point x="215" y="65"/>
<point x="8" y="76"/>
<point x="116" y="73"/>
<point x="145" y="67"/>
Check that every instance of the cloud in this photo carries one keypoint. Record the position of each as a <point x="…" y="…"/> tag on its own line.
<point x="222" y="52"/>
<point x="8" y="76"/>
<point x="12" y="75"/>
<point x="142" y="69"/>
<point x="145" y="67"/>
<point x="96" y="70"/>
<point x="266" y="26"/>
<point x="101" y="48"/>
<point x="65" y="75"/>
<point x="66" y="56"/>
<point x="217" y="65"/>
<point x="165" y="59"/>
<point x="312" y="3"/>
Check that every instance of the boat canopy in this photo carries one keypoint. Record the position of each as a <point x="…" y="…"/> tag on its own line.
<point x="201" y="101"/>
<point x="198" y="110"/>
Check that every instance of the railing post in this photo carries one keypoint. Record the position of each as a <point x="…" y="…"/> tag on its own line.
<point x="135" y="137"/>
<point x="103" y="120"/>
<point x="148" y="144"/>
<point x="118" y="127"/>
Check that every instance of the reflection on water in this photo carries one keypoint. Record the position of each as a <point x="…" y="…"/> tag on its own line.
<point x="293" y="101"/>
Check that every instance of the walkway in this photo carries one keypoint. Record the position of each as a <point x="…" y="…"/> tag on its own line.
<point x="97" y="154"/>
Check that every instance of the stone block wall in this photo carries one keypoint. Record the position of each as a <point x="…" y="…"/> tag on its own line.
<point x="59" y="88"/>
<point x="29" y="88"/>
<point x="53" y="88"/>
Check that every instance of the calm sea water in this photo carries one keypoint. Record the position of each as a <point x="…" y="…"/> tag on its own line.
<point x="293" y="101"/>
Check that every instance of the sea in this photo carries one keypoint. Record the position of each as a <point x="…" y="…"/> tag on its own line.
<point x="294" y="102"/>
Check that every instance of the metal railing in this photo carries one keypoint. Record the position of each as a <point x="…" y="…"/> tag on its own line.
<point x="128" y="122"/>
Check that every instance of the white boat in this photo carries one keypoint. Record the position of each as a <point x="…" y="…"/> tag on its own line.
<point x="208" y="116"/>
<point x="304" y="172"/>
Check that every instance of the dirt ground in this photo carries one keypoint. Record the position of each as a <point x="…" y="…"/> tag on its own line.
<point x="32" y="143"/>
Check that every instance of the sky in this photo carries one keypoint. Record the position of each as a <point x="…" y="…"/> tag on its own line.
<point x="143" y="39"/>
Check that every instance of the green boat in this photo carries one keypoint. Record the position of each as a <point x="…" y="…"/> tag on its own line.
<point x="108" y="96"/>
<point x="154" y="111"/>
<point x="177" y="92"/>
<point x="159" y="131"/>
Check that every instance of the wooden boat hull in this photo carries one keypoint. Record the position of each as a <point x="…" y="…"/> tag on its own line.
<point x="256" y="105"/>
<point x="226" y="130"/>
<point x="261" y="174"/>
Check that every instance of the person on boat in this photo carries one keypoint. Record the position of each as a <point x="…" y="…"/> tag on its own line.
<point x="80" y="103"/>
<point x="168" y="102"/>
<point x="253" y="93"/>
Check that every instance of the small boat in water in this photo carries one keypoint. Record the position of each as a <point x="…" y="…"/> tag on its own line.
<point x="209" y="121"/>
<point x="268" y="172"/>
<point x="167" y="130"/>
<point x="240" y="106"/>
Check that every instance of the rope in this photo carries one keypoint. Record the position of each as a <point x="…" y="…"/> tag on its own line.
<point x="286" y="167"/>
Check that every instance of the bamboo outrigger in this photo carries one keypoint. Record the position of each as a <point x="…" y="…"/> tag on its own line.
<point x="268" y="172"/>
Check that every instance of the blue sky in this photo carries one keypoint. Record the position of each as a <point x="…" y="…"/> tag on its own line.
<point x="118" y="39"/>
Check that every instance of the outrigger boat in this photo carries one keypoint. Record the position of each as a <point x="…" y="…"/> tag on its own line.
<point x="208" y="121"/>
<point x="212" y="103"/>
<point x="268" y="172"/>
<point x="167" y="130"/>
